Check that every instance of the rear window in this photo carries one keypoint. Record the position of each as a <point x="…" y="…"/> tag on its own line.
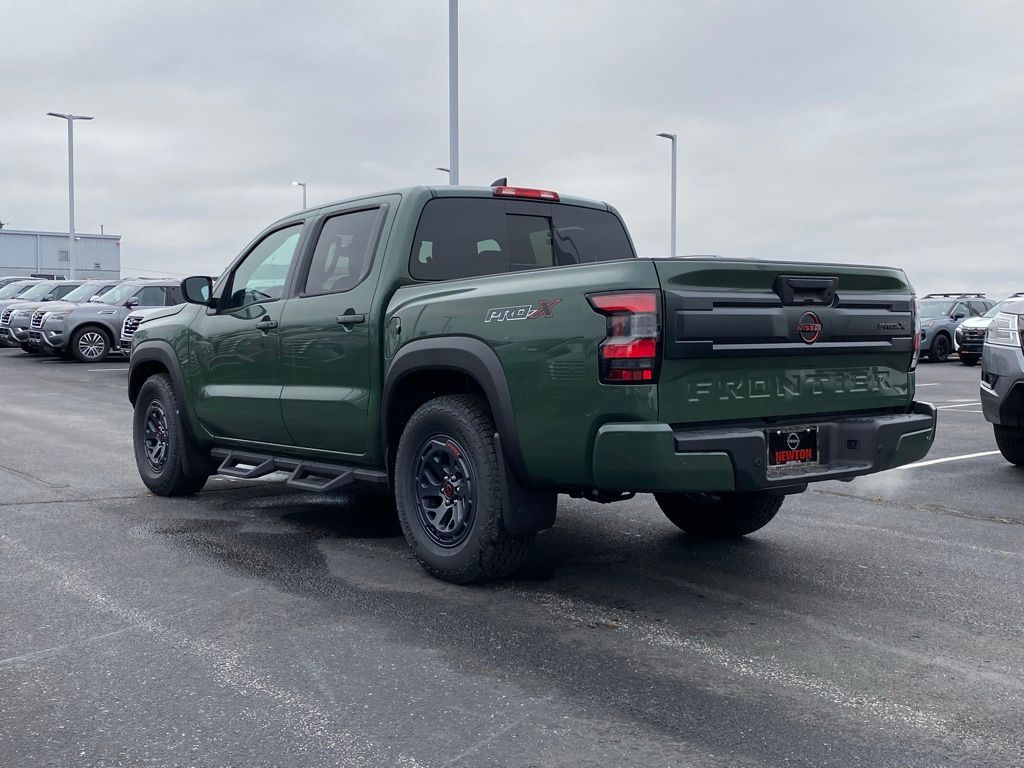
<point x="468" y="237"/>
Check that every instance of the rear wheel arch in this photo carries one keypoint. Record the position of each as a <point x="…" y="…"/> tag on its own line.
<point x="427" y="368"/>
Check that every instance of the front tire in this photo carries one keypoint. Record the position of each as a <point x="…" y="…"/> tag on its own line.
<point x="90" y="345"/>
<point x="1010" y="441"/>
<point x="719" y="516"/>
<point x="28" y="349"/>
<point x="161" y="441"/>
<point x="449" y="493"/>
<point x="969" y="359"/>
<point x="941" y="347"/>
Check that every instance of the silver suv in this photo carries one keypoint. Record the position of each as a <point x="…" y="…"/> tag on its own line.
<point x="1002" y="381"/>
<point x="88" y="333"/>
<point x="970" y="336"/>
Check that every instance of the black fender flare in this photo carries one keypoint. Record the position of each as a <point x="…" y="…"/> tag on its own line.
<point x="526" y="510"/>
<point x="154" y="351"/>
<point x="197" y="461"/>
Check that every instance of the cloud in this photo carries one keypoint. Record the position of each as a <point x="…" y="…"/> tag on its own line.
<point x="874" y="132"/>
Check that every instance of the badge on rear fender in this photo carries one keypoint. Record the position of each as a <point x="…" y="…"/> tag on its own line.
<point x="521" y="311"/>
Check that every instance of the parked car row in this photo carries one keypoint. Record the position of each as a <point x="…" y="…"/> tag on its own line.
<point x="956" y="322"/>
<point x="81" y="320"/>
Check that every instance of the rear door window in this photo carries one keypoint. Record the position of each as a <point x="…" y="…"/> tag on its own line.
<point x="469" y="237"/>
<point x="344" y="252"/>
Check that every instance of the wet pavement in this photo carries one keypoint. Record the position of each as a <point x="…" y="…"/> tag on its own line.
<point x="875" y="623"/>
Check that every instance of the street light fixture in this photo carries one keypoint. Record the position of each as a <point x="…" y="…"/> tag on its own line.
<point x="303" y="185"/>
<point x="71" y="184"/>
<point x="444" y="170"/>
<point x="672" y="137"/>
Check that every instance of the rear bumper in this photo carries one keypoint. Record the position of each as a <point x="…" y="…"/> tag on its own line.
<point x="654" y="457"/>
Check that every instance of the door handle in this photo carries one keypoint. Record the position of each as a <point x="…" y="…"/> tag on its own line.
<point x="350" y="318"/>
<point x="266" y="325"/>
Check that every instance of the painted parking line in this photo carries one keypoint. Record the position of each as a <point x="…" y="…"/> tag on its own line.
<point x="958" y="405"/>
<point x="931" y="384"/>
<point x="948" y="459"/>
<point x="108" y="370"/>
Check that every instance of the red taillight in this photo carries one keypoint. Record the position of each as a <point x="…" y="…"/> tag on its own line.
<point x="532" y="194"/>
<point x="641" y="301"/>
<point x="629" y="353"/>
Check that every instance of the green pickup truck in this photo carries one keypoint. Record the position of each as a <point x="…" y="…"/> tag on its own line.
<point x="466" y="354"/>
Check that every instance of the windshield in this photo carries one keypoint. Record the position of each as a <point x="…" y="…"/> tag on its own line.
<point x="120" y="294"/>
<point x="995" y="310"/>
<point x="12" y="290"/>
<point x="84" y="292"/>
<point x="38" y="291"/>
<point x="934" y="308"/>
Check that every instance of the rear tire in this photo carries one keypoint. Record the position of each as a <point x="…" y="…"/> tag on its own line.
<point x="941" y="347"/>
<point x="90" y="345"/>
<point x="719" y="516"/>
<point x="1010" y="441"/>
<point x="449" y="493"/>
<point x="969" y="359"/>
<point x="161" y="441"/>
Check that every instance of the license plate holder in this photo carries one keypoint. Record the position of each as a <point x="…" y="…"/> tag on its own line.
<point x="792" y="447"/>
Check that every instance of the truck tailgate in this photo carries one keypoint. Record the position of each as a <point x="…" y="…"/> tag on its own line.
<point x="751" y="340"/>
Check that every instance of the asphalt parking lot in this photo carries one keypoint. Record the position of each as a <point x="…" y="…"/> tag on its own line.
<point x="875" y="623"/>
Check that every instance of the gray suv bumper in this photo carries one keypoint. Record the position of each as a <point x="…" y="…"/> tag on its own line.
<point x="1002" y="385"/>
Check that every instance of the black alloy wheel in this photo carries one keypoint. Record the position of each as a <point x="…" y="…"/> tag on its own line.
<point x="940" y="348"/>
<point x="155" y="436"/>
<point x="445" y="491"/>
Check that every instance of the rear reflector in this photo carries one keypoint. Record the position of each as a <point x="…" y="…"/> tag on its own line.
<point x="530" y="194"/>
<point x="629" y="352"/>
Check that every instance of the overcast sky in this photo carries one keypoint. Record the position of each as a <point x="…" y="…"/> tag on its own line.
<point x="882" y="132"/>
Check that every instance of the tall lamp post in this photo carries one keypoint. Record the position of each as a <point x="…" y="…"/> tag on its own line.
<point x="71" y="184"/>
<point x="303" y="185"/>
<point x="672" y="137"/>
<point x="453" y="91"/>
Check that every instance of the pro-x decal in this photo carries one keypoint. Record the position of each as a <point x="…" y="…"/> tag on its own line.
<point x="544" y="308"/>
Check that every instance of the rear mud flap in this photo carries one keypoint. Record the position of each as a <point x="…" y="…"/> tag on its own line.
<point x="524" y="510"/>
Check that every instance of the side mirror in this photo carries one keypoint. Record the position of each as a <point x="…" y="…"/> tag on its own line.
<point x="132" y="302"/>
<point x="959" y="316"/>
<point x="49" y="297"/>
<point x="197" y="290"/>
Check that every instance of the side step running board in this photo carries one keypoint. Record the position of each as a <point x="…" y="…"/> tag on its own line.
<point x="305" y="475"/>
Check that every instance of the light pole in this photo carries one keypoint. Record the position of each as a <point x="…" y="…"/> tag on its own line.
<point x="453" y="91"/>
<point x="303" y="185"/>
<point x="71" y="185"/>
<point x="672" y="137"/>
